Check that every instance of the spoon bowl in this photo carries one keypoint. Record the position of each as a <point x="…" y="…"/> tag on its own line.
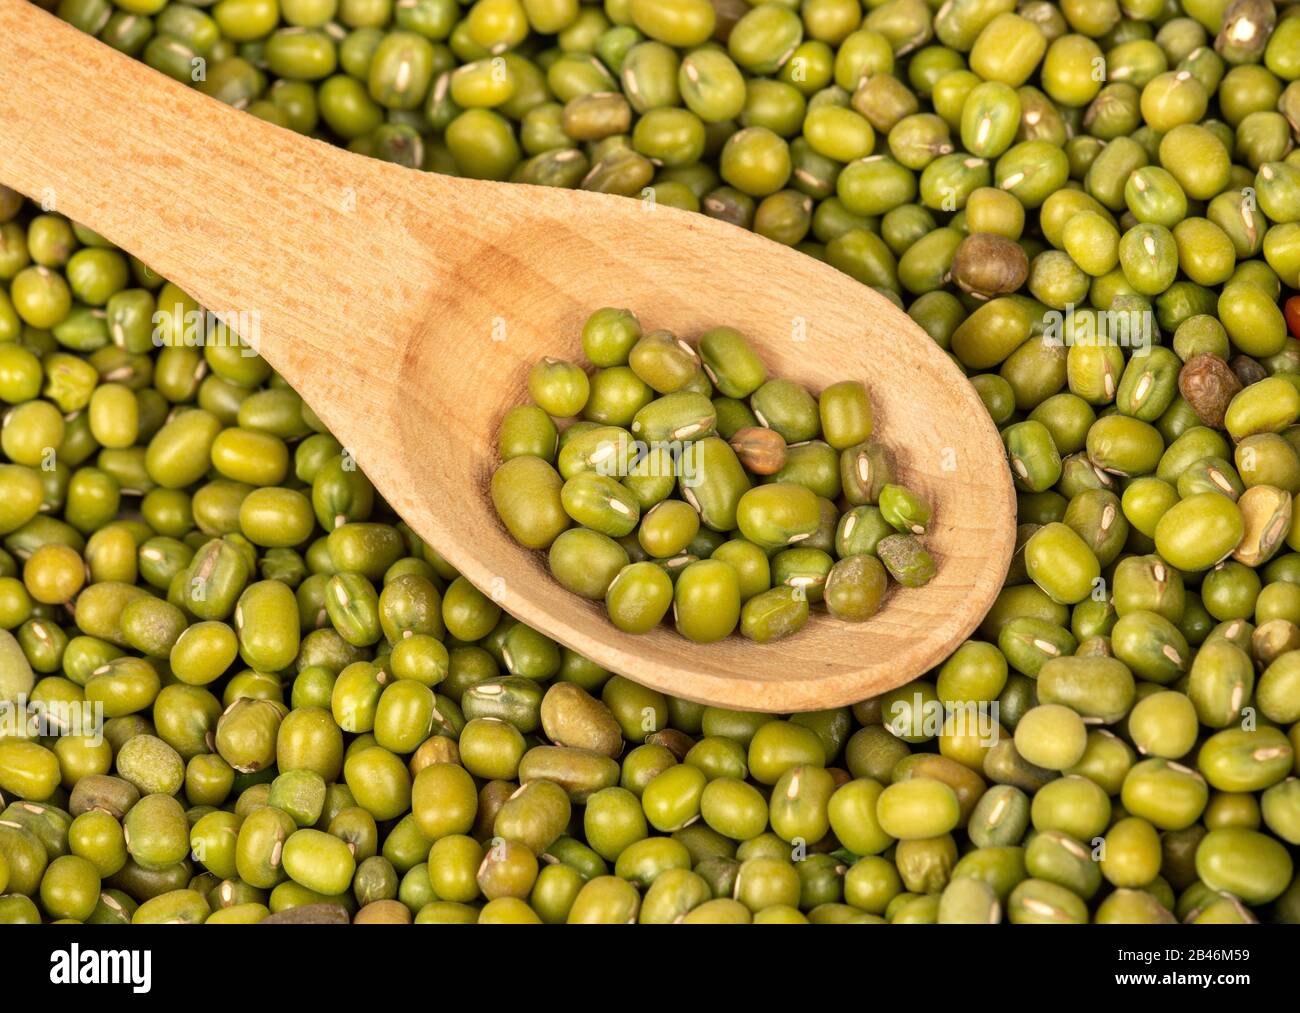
<point x="407" y="307"/>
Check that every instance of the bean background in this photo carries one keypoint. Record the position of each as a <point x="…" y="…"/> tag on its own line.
<point x="312" y="717"/>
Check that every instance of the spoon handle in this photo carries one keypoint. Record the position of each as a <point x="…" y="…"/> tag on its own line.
<point x="295" y="239"/>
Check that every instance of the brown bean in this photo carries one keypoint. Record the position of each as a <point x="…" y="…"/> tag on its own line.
<point x="1208" y="384"/>
<point x="1247" y="370"/>
<point x="987" y="265"/>
<point x="762" y="451"/>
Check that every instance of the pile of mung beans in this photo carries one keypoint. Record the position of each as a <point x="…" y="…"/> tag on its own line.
<point x="687" y="479"/>
<point x="310" y="716"/>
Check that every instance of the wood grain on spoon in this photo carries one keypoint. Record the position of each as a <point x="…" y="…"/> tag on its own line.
<point x="406" y="308"/>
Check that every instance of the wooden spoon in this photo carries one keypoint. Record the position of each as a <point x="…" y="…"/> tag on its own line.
<point x="407" y="308"/>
